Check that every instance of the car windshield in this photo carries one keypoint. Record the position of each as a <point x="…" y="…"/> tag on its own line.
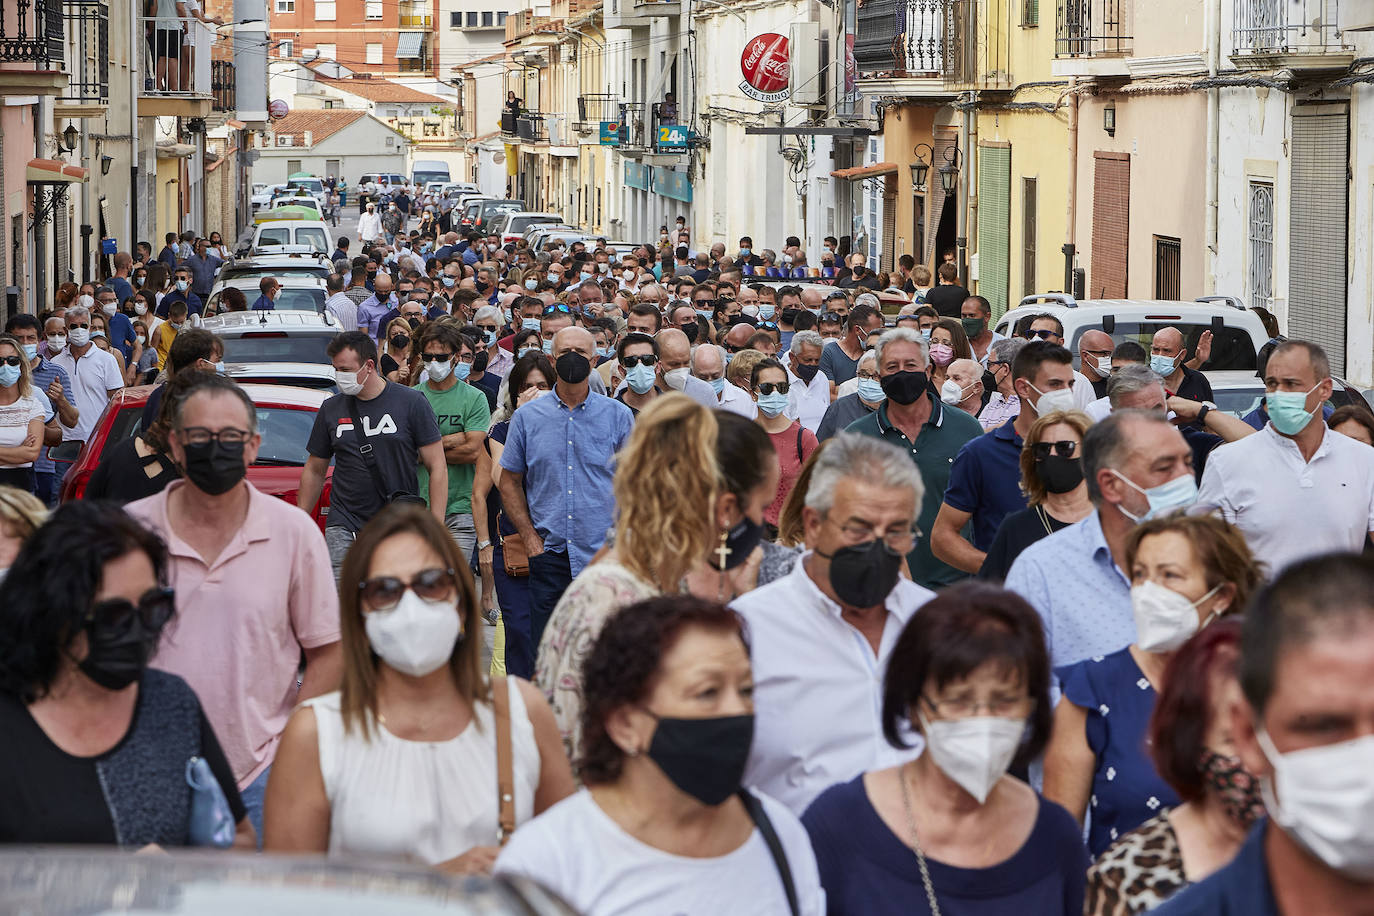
<point x="277" y="347"/>
<point x="1232" y="348"/>
<point x="277" y="236"/>
<point x="1239" y="401"/>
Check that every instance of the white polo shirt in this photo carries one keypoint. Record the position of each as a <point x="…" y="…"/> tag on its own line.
<point x="1287" y="508"/>
<point x="93" y="377"/>
<point x="737" y="400"/>
<point x="808" y="403"/>
<point x="818" y="688"/>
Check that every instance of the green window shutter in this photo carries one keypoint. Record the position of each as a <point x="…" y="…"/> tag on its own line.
<point x="994" y="225"/>
<point x="1030" y="12"/>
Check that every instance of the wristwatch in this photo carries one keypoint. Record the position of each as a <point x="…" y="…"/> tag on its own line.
<point x="483" y="545"/>
<point x="1207" y="406"/>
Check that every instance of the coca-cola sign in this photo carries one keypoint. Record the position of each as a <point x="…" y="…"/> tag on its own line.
<point x="764" y="63"/>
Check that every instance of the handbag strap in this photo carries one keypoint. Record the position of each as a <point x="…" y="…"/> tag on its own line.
<point x="770" y="837"/>
<point x="505" y="770"/>
<point x="365" y="448"/>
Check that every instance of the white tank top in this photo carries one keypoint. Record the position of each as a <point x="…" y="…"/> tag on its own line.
<point x="424" y="801"/>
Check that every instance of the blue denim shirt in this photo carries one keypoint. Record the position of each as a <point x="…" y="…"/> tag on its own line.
<point x="567" y="455"/>
<point x="43" y="374"/>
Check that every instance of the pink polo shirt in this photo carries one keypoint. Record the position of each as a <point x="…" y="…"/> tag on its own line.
<point x="241" y="623"/>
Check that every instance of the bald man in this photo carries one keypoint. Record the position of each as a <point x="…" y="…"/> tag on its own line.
<point x="556" y="479"/>
<point x="675" y="366"/>
<point x="1167" y="355"/>
<point x="708" y="365"/>
<point x="1095" y="359"/>
<point x="967" y="375"/>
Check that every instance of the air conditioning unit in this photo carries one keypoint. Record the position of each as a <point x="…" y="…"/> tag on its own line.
<point x="286" y="140"/>
<point x="806" y="80"/>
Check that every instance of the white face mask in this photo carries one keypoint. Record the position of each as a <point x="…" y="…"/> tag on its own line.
<point x="79" y="337"/>
<point x="438" y="371"/>
<point x="1050" y="401"/>
<point x="56" y="342"/>
<point x="1164" y="619"/>
<point x="142" y="340"/>
<point x="140" y="308"/>
<point x="1327" y="802"/>
<point x="974" y="752"/>
<point x="109" y="308"/>
<point x="951" y="392"/>
<point x="676" y="379"/>
<point x="348" y="382"/>
<point x="416" y="637"/>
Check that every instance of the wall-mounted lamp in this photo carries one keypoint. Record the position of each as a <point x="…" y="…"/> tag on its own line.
<point x="949" y="172"/>
<point x="105" y="163"/>
<point x="920" y="169"/>
<point x="70" y="136"/>
<point x="1109" y="119"/>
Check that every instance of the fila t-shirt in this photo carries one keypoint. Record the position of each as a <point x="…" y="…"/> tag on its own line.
<point x="397" y="424"/>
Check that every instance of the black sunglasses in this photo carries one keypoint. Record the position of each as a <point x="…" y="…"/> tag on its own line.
<point x="153" y="610"/>
<point x="383" y="593"/>
<point x="832" y="318"/>
<point x="767" y="326"/>
<point x="9" y="360"/>
<point x="431" y="357"/>
<point x="1064" y="448"/>
<point x="770" y="387"/>
<point x="629" y="362"/>
<point x="1042" y="334"/>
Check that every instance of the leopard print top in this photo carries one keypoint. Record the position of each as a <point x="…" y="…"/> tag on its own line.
<point x="1137" y="873"/>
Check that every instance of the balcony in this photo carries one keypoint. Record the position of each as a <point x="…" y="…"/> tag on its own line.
<point x="1293" y="34"/>
<point x="636" y="135"/>
<point x="527" y="126"/>
<point x="176" y="73"/>
<point x="594" y="108"/>
<point x="31" y="48"/>
<point x="223" y="82"/>
<point x="1091" y="28"/>
<point x="417" y="21"/>
<point x="908" y="47"/>
<point x="88" y="70"/>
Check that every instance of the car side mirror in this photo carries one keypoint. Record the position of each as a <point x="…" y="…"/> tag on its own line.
<point x="67" y="451"/>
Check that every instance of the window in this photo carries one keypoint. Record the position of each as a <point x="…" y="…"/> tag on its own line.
<point x="1168" y="255"/>
<point x="1028" y="217"/>
<point x="286" y="48"/>
<point x="488" y="19"/>
<point x="500" y="18"/>
<point x="472" y="20"/>
<point x="455" y="20"/>
<point x="393" y="113"/>
<point x="327" y="52"/>
<point x="1030" y="13"/>
<point x="286" y="6"/>
<point x="374" y="52"/>
<point x="1261" y="245"/>
<point x="324" y="10"/>
<point x="293" y="166"/>
<point x="372" y="9"/>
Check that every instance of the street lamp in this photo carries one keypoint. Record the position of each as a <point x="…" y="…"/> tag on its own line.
<point x="920" y="168"/>
<point x="1109" y="119"/>
<point x="71" y="136"/>
<point x="949" y="172"/>
<point x="105" y="163"/>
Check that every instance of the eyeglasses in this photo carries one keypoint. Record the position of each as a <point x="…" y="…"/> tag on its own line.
<point x="870" y="376"/>
<point x="897" y="540"/>
<point x="431" y="357"/>
<point x="9" y="360"/>
<point x="557" y="308"/>
<point x="383" y="593"/>
<point x="153" y="610"/>
<point x="963" y="707"/>
<point x="832" y="318"/>
<point x="1042" y="334"/>
<point x="770" y="387"/>
<point x="200" y="435"/>
<point x="1064" y="448"/>
<point x="629" y="362"/>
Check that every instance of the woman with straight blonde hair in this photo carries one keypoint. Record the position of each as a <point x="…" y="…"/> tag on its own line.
<point x="690" y="489"/>
<point x="402" y="761"/>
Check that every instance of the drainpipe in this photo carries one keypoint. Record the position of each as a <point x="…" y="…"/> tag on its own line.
<point x="961" y="211"/>
<point x="134" y="65"/>
<point x="1071" y="233"/>
<point x="1212" y="27"/>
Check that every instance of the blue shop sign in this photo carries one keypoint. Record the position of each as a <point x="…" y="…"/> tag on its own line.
<point x="637" y="176"/>
<point x="671" y="183"/>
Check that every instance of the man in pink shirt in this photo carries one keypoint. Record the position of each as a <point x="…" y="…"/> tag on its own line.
<point x="253" y="584"/>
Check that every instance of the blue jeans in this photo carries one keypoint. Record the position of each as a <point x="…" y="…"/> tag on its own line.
<point x="550" y="576"/>
<point x="252" y="800"/>
<point x="513" y="595"/>
<point x="45" y="487"/>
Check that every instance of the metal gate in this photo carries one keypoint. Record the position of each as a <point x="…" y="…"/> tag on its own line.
<point x="1317" y="229"/>
<point x="994" y="223"/>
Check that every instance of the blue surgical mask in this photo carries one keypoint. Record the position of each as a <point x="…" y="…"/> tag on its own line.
<point x="529" y="324"/>
<point x="871" y="390"/>
<point x="1179" y="493"/>
<point x="1162" y="366"/>
<point x="640" y="378"/>
<point x="488" y="337"/>
<point x="447" y="280"/>
<point x="745" y="252"/>
<point x="586" y="275"/>
<point x="8" y="375"/>
<point x="718" y="385"/>
<point x="462" y="370"/>
<point x="605" y="352"/>
<point x="772" y="404"/>
<point x="548" y="346"/>
<point x="531" y="284"/>
<point x="925" y="333"/>
<point x="30" y="351"/>
<point x="1288" y="410"/>
<point x="220" y="368"/>
<point x="704" y="313"/>
<point x="766" y="311"/>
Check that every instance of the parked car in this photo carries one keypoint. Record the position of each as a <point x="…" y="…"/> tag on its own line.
<point x="319" y="376"/>
<point x="311" y="184"/>
<point x="263" y="193"/>
<point x="511" y="225"/>
<point x="298" y="293"/>
<point x="1237" y="332"/>
<point x="274" y="337"/>
<point x="282" y="262"/>
<point x="370" y="185"/>
<point x="424" y="171"/>
<point x="285" y="415"/>
<point x="306" y="232"/>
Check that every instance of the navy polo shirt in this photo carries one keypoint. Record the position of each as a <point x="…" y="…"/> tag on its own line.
<point x="985" y="481"/>
<point x="1240" y="889"/>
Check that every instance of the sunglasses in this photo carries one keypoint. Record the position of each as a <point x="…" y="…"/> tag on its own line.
<point x="382" y="593"/>
<point x="431" y="357"/>
<point x="767" y="325"/>
<point x="629" y="362"/>
<point x="1064" y="448"/>
<point x="770" y="387"/>
<point x="557" y="308"/>
<point x="153" y="610"/>
<point x="832" y="318"/>
<point x="9" y="360"/>
<point x="1042" y="334"/>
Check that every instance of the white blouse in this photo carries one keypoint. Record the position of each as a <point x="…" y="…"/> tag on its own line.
<point x="426" y="801"/>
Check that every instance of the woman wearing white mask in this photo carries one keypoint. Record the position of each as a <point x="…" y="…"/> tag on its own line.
<point x="21" y="417"/>
<point x="401" y="763"/>
<point x="1185" y="572"/>
<point x="793" y="443"/>
<point x="951" y="831"/>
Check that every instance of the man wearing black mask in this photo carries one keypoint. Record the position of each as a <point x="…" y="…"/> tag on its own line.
<point x="233" y="546"/>
<point x="823" y="633"/>
<point x="557" y="469"/>
<point x="915" y="419"/>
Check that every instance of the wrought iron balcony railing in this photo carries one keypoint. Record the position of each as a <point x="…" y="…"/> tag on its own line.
<point x="1286" y="26"/>
<point x="88" y="23"/>
<point x="905" y="37"/>
<point x="36" y="36"/>
<point x="1086" y="28"/>
<point x="529" y="126"/>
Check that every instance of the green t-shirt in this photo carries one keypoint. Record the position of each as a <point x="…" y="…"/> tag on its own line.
<point x="461" y="409"/>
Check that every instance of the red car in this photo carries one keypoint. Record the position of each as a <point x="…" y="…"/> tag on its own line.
<point x="285" y="416"/>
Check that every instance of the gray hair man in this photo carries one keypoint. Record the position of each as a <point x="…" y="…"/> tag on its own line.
<point x="339" y="304"/>
<point x="809" y="393"/>
<point x="823" y="633"/>
<point x="1004" y="403"/>
<point x="866" y="397"/>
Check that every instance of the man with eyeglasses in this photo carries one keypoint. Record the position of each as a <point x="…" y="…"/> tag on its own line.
<point x="463" y="416"/>
<point x="181" y="292"/>
<point x="231" y="546"/>
<point x="489" y="322"/>
<point x="857" y="404"/>
<point x="1095" y="356"/>
<point x="840" y="361"/>
<point x="823" y="633"/>
<point x="808" y="396"/>
<point x="985" y="478"/>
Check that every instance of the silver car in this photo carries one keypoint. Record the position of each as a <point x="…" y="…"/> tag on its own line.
<point x="274" y="337"/>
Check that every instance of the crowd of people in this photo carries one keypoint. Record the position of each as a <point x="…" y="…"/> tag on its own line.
<point x="800" y="606"/>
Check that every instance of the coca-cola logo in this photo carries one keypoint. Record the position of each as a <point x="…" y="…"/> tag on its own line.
<point x="764" y="62"/>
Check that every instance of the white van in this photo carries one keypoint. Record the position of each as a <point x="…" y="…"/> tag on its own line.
<point x="423" y="171"/>
<point x="310" y="233"/>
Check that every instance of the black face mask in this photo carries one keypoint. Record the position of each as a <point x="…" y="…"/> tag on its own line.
<point x="1059" y="475"/>
<point x="789" y="315"/>
<point x="400" y="341"/>
<point x="215" y="467"/>
<point x="804" y="372"/>
<point x="481" y="287"/>
<point x="690" y="330"/>
<point x="573" y="367"/>
<point x="864" y="574"/>
<point x="413" y="322"/>
<point x="479" y="362"/>
<point x="117" y="654"/>
<point x="904" y="387"/>
<point x="740" y="542"/>
<point x="703" y="757"/>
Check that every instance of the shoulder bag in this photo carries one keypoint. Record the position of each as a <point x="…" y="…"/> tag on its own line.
<point x="212" y="821"/>
<point x="770" y="837"/>
<point x="505" y="766"/>
<point x="365" y="448"/>
<point x="513" y="554"/>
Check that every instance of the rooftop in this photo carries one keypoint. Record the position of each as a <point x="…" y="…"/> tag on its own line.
<point x="380" y="90"/>
<point x="320" y="122"/>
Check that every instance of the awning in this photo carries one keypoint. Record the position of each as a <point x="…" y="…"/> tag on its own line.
<point x="171" y="150"/>
<point x="866" y="171"/>
<point x="566" y="152"/>
<point x="408" y="45"/>
<point x="53" y="171"/>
